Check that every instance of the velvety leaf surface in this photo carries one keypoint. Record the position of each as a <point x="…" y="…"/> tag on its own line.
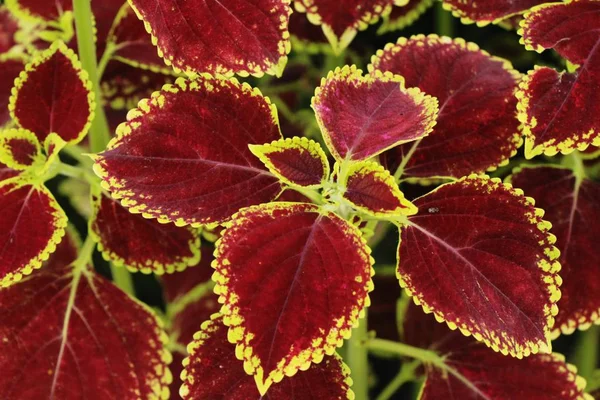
<point x="295" y="161"/>
<point x="485" y="374"/>
<point x="8" y="27"/>
<point x="20" y="149"/>
<point x="554" y="106"/>
<point x="68" y="333"/>
<point x="196" y="133"/>
<point x="211" y="354"/>
<point x="361" y="116"/>
<point x="371" y="189"/>
<point x="572" y="205"/>
<point x="31" y="225"/>
<point x="239" y="36"/>
<point x="53" y="95"/>
<point x="39" y="10"/>
<point x="478" y="255"/>
<point x="484" y="12"/>
<point x="477" y="128"/>
<point x="132" y="241"/>
<point x="403" y="16"/>
<point x="10" y="68"/>
<point x="308" y="267"/>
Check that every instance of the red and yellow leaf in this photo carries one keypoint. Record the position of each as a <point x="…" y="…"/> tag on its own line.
<point x="6" y="172"/>
<point x="477" y="128"/>
<point x="68" y="333"/>
<point x="196" y="133"/>
<point x="551" y="103"/>
<point x="10" y="68"/>
<point x="20" y="149"/>
<point x="308" y="267"/>
<point x="53" y="95"/>
<point x="403" y="16"/>
<point x="484" y="12"/>
<point x="31" y="225"/>
<point x="238" y="37"/>
<point x="479" y="256"/>
<point x="39" y="10"/>
<point x="362" y="116"/>
<point x="8" y="27"/>
<point x="296" y="161"/>
<point x="132" y="241"/>
<point x="371" y="189"/>
<point x="572" y="205"/>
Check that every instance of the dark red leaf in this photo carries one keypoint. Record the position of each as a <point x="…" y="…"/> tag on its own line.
<point x="31" y="225"/>
<point x="196" y="133"/>
<point x="39" y="10"/>
<point x="484" y="12"/>
<point x="572" y="205"/>
<point x="10" y="68"/>
<point x="212" y="371"/>
<point x="361" y="116"/>
<point x="177" y="285"/>
<point x="306" y="36"/>
<point x="403" y="16"/>
<point x="552" y="105"/>
<point x="6" y="172"/>
<point x="478" y="255"/>
<point x="53" y="95"/>
<point x="239" y="36"/>
<point x="384" y="301"/>
<point x="20" y="149"/>
<point x="8" y="27"/>
<point x="308" y="267"/>
<point x="477" y="128"/>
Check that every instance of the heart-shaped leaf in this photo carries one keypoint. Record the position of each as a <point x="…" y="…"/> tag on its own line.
<point x="479" y="256"/>
<point x="308" y="267"/>
<point x="477" y="128"/>
<point x="403" y="16"/>
<point x="196" y="133"/>
<point x="484" y="12"/>
<point x="10" y="68"/>
<point x="20" y="149"/>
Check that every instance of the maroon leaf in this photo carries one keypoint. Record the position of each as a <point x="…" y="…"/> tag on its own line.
<point x="132" y="241"/>
<point x="572" y="205"/>
<point x="6" y="172"/>
<point x="478" y="255"/>
<point x="31" y="225"/>
<point x="477" y="128"/>
<point x="177" y="285"/>
<point x="384" y="303"/>
<point x="403" y="16"/>
<point x="240" y="36"/>
<point x="53" y="95"/>
<point x="70" y="334"/>
<point x="306" y="36"/>
<point x="552" y="104"/>
<point x="313" y="272"/>
<point x="361" y="116"/>
<point x="8" y="27"/>
<point x="212" y="371"/>
<point x="39" y="10"/>
<point x="484" y="12"/>
<point x="20" y="149"/>
<point x="10" y="68"/>
<point x="196" y="133"/>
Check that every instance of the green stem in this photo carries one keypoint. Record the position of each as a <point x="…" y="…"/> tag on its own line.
<point x="406" y="374"/>
<point x="312" y="194"/>
<point x="357" y="359"/>
<point x="123" y="279"/>
<point x="405" y="160"/>
<point x="99" y="131"/>
<point x="444" y="21"/>
<point x="586" y="353"/>
<point x="76" y="172"/>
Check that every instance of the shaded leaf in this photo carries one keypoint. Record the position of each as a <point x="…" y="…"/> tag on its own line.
<point x="403" y="16"/>
<point x="175" y="286"/>
<point x="305" y="36"/>
<point x="8" y="27"/>
<point x="20" y="149"/>
<point x="6" y="172"/>
<point x="308" y="267"/>
<point x="10" y="68"/>
<point x="39" y="10"/>
<point x="484" y="12"/>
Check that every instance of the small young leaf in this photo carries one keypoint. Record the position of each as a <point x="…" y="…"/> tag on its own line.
<point x="53" y="95"/>
<point x="372" y="190"/>
<point x="572" y="205"/>
<point x="477" y="128"/>
<point x="403" y="16"/>
<point x="138" y="244"/>
<point x="295" y="161"/>
<point x="212" y="371"/>
<point x="478" y="255"/>
<point x="308" y="267"/>
<point x="362" y="116"/>
<point x="10" y="68"/>
<point x="20" y="149"/>
<point x="183" y="156"/>
<point x="484" y="12"/>
<point x="239" y="36"/>
<point x="551" y="103"/>
<point x="31" y="225"/>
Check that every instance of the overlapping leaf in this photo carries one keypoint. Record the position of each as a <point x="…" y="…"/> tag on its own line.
<point x="6" y="172"/>
<point x="240" y="36"/>
<point x="212" y="371"/>
<point x="556" y="107"/>
<point x="68" y="333"/>
<point x="39" y="10"/>
<point x="308" y="267"/>
<point x="20" y="149"/>
<point x="8" y="27"/>
<point x="484" y="12"/>
<point x="477" y="128"/>
<point x="478" y="255"/>
<point x="10" y="68"/>
<point x="402" y="16"/>
<point x="196" y="135"/>
<point x="572" y="205"/>
<point x="361" y="116"/>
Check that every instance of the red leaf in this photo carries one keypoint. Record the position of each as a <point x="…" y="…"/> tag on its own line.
<point x="39" y="10"/>
<point x="132" y="241"/>
<point x="572" y="205"/>
<point x="382" y="311"/>
<point x="361" y="116"/>
<point x="6" y="172"/>
<point x="403" y="16"/>
<point x="477" y="128"/>
<point x="306" y="36"/>
<point x="551" y="104"/>
<point x="31" y="225"/>
<point x="20" y="149"/>
<point x="240" y="36"/>
<point x="177" y="285"/>
<point x="478" y="255"/>
<point x="484" y="12"/>
<point x="53" y="95"/>
<point x="8" y="27"/>
<point x="10" y="68"/>
<point x="196" y="133"/>
<point x="212" y="371"/>
<point x="309" y="267"/>
<point x="70" y="334"/>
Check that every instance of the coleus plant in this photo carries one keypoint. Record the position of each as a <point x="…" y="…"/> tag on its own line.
<point x="277" y="306"/>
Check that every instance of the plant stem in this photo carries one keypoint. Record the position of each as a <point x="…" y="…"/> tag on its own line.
<point x="444" y="21"/>
<point x="357" y="359"/>
<point x="405" y="160"/>
<point x="406" y="374"/>
<point x="401" y="349"/>
<point x="123" y="279"/>
<point x="99" y="131"/>
<point x="586" y="353"/>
